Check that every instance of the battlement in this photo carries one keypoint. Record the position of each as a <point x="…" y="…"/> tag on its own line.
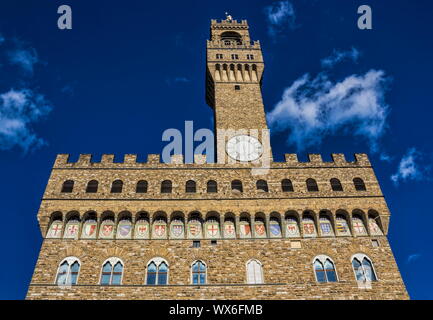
<point x="153" y="160"/>
<point x="223" y="24"/>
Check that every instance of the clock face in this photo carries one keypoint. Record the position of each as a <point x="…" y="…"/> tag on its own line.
<point x="244" y="148"/>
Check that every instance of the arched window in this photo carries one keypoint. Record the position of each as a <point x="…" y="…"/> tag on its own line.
<point x="237" y="186"/>
<point x="212" y="186"/>
<point x="262" y="185"/>
<point x="363" y="268"/>
<point x="112" y="271"/>
<point x="286" y="185"/>
<point x="166" y="186"/>
<point x="68" y="186"/>
<point x="92" y="186"/>
<point x="254" y="272"/>
<point x="336" y="185"/>
<point x="141" y="186"/>
<point x="117" y="186"/>
<point x="359" y="184"/>
<point x="312" y="185"/>
<point x="190" y="187"/>
<point x="324" y="269"/>
<point x="198" y="273"/>
<point x="67" y="274"/>
<point x="157" y="272"/>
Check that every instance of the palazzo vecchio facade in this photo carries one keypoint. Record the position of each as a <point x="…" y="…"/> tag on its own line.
<point x="222" y="230"/>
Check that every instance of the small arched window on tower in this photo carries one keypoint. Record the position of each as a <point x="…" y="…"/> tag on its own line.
<point x="359" y="184"/>
<point x="67" y="274"/>
<point x="363" y="268"/>
<point x="237" y="186"/>
<point x="312" y="185"/>
<point x="117" y="186"/>
<point x="166" y="186"/>
<point x="68" y="186"/>
<point x="336" y="185"/>
<point x="324" y="269"/>
<point x="262" y="186"/>
<point x="92" y="186"/>
<point x="141" y="186"/>
<point x="212" y="186"/>
<point x="286" y="185"/>
<point x="190" y="187"/>
<point x="112" y="271"/>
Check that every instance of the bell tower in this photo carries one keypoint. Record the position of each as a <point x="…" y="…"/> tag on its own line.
<point x="233" y="89"/>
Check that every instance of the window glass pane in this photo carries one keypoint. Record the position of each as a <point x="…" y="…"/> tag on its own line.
<point x="75" y="267"/>
<point x="162" y="267"/>
<point x="320" y="275"/>
<point x="195" y="278"/>
<point x="151" y="267"/>
<point x="116" y="278"/>
<point x="105" y="279"/>
<point x="74" y="277"/>
<point x="151" y="278"/>
<point x="202" y="267"/>
<point x="63" y="273"/>
<point x="107" y="267"/>
<point x="359" y="273"/>
<point x="202" y="278"/>
<point x="318" y="266"/>
<point x="195" y="267"/>
<point x="369" y="273"/>
<point x="250" y="273"/>
<point x="162" y="278"/>
<point x="118" y="267"/>
<point x="330" y="271"/>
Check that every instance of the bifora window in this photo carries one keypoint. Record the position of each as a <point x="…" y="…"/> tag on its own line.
<point x="198" y="272"/>
<point x="112" y="271"/>
<point x="324" y="269"/>
<point x="67" y="273"/>
<point x="363" y="268"/>
<point x="157" y="272"/>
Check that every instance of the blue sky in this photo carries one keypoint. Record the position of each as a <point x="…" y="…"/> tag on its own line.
<point x="129" y="70"/>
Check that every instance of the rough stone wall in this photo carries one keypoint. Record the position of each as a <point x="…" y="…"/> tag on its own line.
<point x="288" y="272"/>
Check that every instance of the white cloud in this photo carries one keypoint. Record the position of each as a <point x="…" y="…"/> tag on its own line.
<point x="24" y="58"/>
<point x="19" y="109"/>
<point x="338" y="56"/>
<point x="175" y="80"/>
<point x="409" y="167"/>
<point x="311" y="109"/>
<point x="280" y="15"/>
<point x="413" y="257"/>
<point x="385" y="157"/>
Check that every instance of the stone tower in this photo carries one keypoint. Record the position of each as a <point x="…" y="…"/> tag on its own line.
<point x="233" y="85"/>
<point x="152" y="230"/>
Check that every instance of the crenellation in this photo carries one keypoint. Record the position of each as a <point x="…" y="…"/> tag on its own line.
<point x="338" y="158"/>
<point x="177" y="159"/>
<point x="291" y="158"/>
<point x="153" y="159"/>
<point x="315" y="158"/>
<point x="107" y="159"/>
<point x="362" y="159"/>
<point x="84" y="159"/>
<point x="130" y="159"/>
